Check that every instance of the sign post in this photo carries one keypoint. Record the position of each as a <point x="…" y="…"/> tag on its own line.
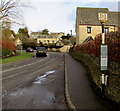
<point x="103" y="53"/>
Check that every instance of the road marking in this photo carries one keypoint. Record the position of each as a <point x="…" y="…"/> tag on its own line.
<point x="26" y="65"/>
<point x="26" y="71"/>
<point x="13" y="75"/>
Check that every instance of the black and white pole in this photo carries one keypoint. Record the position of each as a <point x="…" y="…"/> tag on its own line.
<point x="103" y="53"/>
<point x="103" y="33"/>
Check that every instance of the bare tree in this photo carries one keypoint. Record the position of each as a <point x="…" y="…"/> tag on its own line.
<point x="10" y="12"/>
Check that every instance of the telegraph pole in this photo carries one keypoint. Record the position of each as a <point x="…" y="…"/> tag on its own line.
<point x="71" y="32"/>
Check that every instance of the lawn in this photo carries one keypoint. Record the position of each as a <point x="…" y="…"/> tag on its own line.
<point x="19" y="56"/>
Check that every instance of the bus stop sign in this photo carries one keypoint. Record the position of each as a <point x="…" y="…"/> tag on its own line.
<point x="104" y="57"/>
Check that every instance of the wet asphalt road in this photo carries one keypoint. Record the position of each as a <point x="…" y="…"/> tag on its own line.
<point x="35" y="83"/>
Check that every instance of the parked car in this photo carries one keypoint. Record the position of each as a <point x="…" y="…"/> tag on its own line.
<point x="29" y="49"/>
<point x="41" y="51"/>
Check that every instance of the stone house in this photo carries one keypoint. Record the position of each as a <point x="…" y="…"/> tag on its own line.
<point x="18" y="43"/>
<point x="88" y="25"/>
<point x="46" y="38"/>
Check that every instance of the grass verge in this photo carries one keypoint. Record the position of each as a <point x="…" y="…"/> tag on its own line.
<point x="18" y="57"/>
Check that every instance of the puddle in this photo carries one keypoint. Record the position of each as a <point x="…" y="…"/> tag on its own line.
<point x="37" y="95"/>
<point x="49" y="72"/>
<point x="41" y="79"/>
<point x="16" y="94"/>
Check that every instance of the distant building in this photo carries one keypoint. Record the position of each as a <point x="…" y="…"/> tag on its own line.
<point x="34" y="35"/>
<point x="60" y="43"/>
<point x="18" y="43"/>
<point x="46" y="38"/>
<point x="88" y="25"/>
<point x="12" y="36"/>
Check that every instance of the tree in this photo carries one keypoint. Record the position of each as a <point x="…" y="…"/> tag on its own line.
<point x="30" y="43"/>
<point x="10" y="12"/>
<point x="68" y="36"/>
<point x="23" y="34"/>
<point x="8" y="46"/>
<point x="45" y="31"/>
<point x="73" y="40"/>
<point x="6" y="33"/>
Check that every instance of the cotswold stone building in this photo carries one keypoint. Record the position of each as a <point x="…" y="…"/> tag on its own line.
<point x="88" y="25"/>
<point x="46" y="38"/>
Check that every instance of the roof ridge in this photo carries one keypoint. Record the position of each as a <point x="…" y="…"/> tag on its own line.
<point x="92" y="8"/>
<point x="114" y="11"/>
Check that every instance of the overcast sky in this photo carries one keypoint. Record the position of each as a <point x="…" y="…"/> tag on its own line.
<point x="59" y="15"/>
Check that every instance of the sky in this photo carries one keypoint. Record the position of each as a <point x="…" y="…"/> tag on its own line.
<point x="58" y="15"/>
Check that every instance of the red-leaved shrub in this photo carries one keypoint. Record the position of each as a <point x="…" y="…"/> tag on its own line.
<point x="93" y="47"/>
<point x="8" y="47"/>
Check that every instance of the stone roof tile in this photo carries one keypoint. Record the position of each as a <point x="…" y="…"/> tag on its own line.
<point x="89" y="16"/>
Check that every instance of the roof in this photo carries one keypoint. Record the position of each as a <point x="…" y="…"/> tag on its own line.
<point x="88" y="39"/>
<point x="65" y="42"/>
<point x="89" y="16"/>
<point x="36" y="33"/>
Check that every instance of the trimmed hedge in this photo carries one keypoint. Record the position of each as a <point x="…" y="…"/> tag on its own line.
<point x="112" y="90"/>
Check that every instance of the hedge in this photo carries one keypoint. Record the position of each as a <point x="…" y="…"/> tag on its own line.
<point x="112" y="89"/>
<point x="89" y="54"/>
<point x="93" y="47"/>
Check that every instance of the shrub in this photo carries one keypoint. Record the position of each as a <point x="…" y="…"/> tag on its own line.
<point x="92" y="65"/>
<point x="8" y="47"/>
<point x="6" y="52"/>
<point x="93" y="47"/>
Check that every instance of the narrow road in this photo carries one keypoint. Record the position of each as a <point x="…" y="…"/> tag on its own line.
<point x="35" y="83"/>
<point x="39" y="83"/>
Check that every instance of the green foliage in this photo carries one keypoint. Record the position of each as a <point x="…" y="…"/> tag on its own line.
<point x="51" y="44"/>
<point x="8" y="46"/>
<point x="73" y="40"/>
<point x="18" y="57"/>
<point x="23" y="34"/>
<point x="13" y="33"/>
<point x="29" y="43"/>
<point x="6" y="52"/>
<point x="23" y="31"/>
<point x="45" y="31"/>
<point x="6" y="33"/>
<point x="68" y="36"/>
<point x="92" y="64"/>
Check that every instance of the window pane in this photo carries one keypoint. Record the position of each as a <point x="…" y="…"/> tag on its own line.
<point x="88" y="29"/>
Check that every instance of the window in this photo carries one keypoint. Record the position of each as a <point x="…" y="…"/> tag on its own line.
<point x="48" y="41"/>
<point x="88" y="29"/>
<point x="60" y="44"/>
<point x="53" y="41"/>
<point x="106" y="29"/>
<point x="44" y="40"/>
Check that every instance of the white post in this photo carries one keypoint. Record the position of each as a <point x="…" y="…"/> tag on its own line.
<point x="103" y="38"/>
<point x="103" y="78"/>
<point x="106" y="78"/>
<point x="103" y="34"/>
